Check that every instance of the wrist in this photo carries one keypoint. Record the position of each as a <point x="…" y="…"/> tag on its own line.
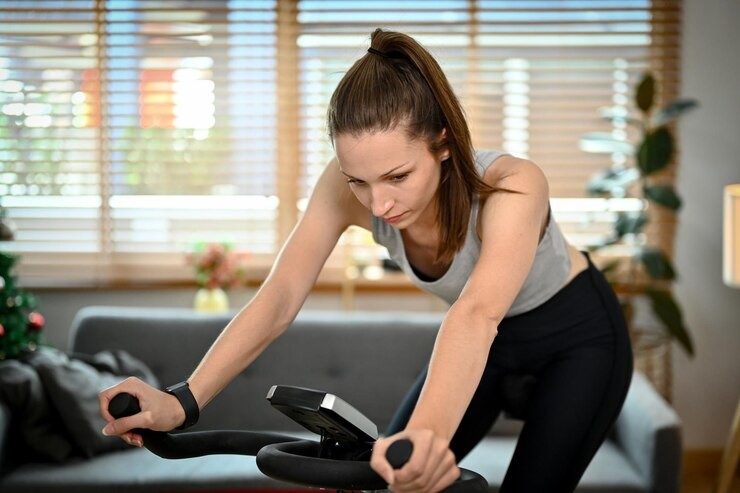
<point x="434" y="426"/>
<point x="191" y="411"/>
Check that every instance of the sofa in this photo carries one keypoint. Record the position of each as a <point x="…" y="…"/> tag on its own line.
<point x="367" y="358"/>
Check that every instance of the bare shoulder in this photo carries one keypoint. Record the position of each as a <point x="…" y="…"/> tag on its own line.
<point x="513" y="173"/>
<point x="332" y="195"/>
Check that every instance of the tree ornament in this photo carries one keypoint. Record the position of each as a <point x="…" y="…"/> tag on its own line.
<point x="20" y="323"/>
<point x="36" y="321"/>
<point x="2" y="283"/>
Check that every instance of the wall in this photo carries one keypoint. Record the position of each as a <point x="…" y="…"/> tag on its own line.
<point x="706" y="387"/>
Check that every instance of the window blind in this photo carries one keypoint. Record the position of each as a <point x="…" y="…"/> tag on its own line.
<point x="130" y="130"/>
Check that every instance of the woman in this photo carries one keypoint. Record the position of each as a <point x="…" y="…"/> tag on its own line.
<point x="473" y="227"/>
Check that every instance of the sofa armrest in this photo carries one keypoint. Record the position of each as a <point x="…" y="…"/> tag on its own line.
<point x="649" y="431"/>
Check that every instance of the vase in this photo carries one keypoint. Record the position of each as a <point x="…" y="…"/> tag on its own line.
<point x="211" y="300"/>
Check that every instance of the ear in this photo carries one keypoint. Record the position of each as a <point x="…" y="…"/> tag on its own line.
<point x="441" y="144"/>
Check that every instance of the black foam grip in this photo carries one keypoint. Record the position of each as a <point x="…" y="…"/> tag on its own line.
<point x="123" y="405"/>
<point x="399" y="453"/>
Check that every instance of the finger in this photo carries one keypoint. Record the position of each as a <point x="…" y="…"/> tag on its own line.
<point x="447" y="479"/>
<point x="104" y="398"/>
<point x="437" y="463"/>
<point x="380" y="464"/>
<point x="106" y="395"/>
<point x="103" y="402"/>
<point x="133" y="439"/>
<point x="442" y="470"/>
<point x="412" y="475"/>
<point x="118" y="427"/>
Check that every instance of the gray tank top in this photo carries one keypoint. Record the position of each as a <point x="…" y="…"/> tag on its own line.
<point x="547" y="275"/>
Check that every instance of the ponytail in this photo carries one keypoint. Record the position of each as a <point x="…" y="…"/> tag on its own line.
<point x="398" y="82"/>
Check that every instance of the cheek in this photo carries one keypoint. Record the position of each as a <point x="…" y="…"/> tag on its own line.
<point x="363" y="197"/>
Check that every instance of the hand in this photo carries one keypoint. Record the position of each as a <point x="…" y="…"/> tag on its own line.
<point x="160" y="411"/>
<point x="431" y="467"/>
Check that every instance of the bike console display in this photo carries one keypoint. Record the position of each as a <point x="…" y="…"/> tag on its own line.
<point x="323" y="413"/>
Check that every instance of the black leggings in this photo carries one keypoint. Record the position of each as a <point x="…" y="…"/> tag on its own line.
<point x="576" y="346"/>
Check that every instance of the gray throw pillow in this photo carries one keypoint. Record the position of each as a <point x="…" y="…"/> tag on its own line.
<point x="33" y="421"/>
<point x="73" y="386"/>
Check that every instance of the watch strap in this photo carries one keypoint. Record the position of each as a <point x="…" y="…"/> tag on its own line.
<point x="183" y="394"/>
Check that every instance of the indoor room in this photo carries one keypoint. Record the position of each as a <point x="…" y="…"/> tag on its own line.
<point x="363" y="224"/>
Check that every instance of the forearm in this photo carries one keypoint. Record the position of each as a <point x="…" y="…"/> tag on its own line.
<point x="252" y="330"/>
<point x="455" y="369"/>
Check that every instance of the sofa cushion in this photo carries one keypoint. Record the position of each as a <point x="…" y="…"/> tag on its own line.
<point x="608" y="472"/>
<point x="140" y="471"/>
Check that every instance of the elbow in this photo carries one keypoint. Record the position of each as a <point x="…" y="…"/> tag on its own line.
<point x="481" y="318"/>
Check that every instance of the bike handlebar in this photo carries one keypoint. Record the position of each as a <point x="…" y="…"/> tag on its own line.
<point x="196" y="443"/>
<point x="282" y="457"/>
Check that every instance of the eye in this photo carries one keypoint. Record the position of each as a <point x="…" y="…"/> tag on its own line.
<point x="355" y="181"/>
<point x="399" y="178"/>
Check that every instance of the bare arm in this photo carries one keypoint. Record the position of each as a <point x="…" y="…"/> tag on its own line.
<point x="284" y="291"/>
<point x="510" y="228"/>
<point x="330" y="211"/>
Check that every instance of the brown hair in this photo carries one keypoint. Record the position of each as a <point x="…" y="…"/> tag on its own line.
<point x="399" y="82"/>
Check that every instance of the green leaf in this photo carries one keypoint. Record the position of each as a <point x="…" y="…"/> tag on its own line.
<point x="613" y="181"/>
<point x="657" y="265"/>
<point x="630" y="223"/>
<point x="667" y="310"/>
<point x="645" y="93"/>
<point x="655" y="151"/>
<point x="604" y="143"/>
<point x="664" y="195"/>
<point x="673" y="110"/>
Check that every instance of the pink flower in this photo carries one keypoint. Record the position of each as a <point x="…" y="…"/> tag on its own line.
<point x="216" y="266"/>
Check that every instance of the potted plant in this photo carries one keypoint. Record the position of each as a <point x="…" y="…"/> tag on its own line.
<point x="645" y="270"/>
<point x="217" y="268"/>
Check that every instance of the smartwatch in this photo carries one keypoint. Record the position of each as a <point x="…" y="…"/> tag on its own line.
<point x="187" y="401"/>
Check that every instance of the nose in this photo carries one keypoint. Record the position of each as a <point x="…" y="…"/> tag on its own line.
<point x="380" y="202"/>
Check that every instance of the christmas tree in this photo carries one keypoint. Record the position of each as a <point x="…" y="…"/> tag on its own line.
<point x="20" y="323"/>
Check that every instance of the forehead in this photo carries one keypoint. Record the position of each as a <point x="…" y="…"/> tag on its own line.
<point x="376" y="149"/>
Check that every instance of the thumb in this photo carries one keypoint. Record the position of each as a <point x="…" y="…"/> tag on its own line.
<point x="381" y="465"/>
<point x="120" y="426"/>
<point x="388" y="474"/>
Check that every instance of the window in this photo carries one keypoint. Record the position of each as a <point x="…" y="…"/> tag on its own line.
<point x="132" y="129"/>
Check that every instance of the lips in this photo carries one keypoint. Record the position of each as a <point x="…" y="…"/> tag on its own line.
<point x="393" y="219"/>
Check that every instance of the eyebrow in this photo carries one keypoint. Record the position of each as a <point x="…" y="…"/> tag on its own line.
<point x="388" y="173"/>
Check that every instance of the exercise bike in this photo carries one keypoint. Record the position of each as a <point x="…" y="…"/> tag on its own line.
<point x="338" y="460"/>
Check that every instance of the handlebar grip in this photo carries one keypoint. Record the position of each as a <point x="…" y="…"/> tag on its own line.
<point x="399" y="453"/>
<point x="122" y="405"/>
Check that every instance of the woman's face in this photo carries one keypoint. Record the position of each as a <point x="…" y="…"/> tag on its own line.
<point x="394" y="177"/>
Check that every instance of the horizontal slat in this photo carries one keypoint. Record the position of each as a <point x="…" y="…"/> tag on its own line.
<point x="83" y="78"/>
